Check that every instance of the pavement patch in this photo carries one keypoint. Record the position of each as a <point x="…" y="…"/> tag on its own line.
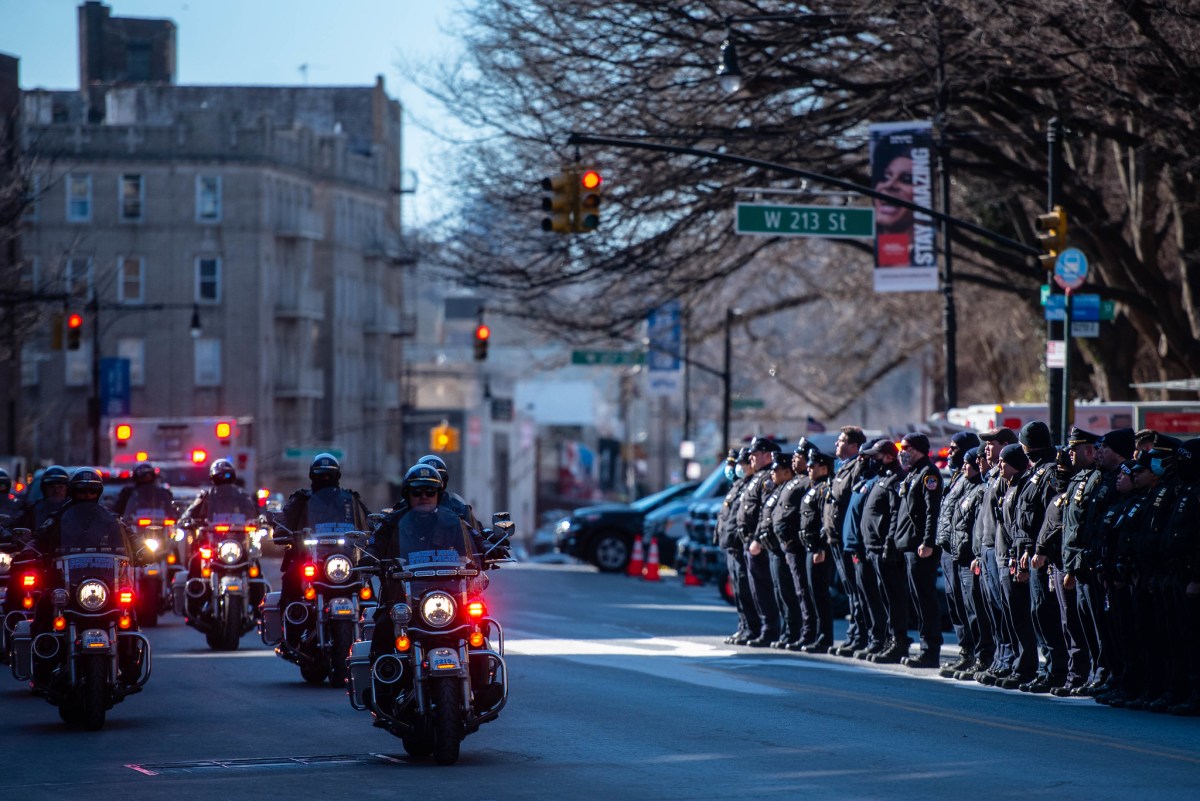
<point x="262" y="763"/>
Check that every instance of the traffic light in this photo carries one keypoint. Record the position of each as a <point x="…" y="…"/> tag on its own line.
<point x="587" y="213"/>
<point x="443" y="439"/>
<point x="560" y="203"/>
<point x="482" y="334"/>
<point x="74" y="331"/>
<point x="1052" y="233"/>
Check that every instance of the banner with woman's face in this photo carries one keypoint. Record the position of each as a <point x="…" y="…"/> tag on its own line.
<point x="905" y="240"/>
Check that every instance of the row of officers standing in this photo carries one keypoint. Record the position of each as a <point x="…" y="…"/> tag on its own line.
<point x="1073" y="571"/>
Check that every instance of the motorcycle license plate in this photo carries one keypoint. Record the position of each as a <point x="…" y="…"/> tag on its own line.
<point x="341" y="607"/>
<point x="443" y="659"/>
<point x="94" y="638"/>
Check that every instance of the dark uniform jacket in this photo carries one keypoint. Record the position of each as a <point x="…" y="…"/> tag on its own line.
<point x="840" y="490"/>
<point x="1031" y="503"/>
<point x="785" y="517"/>
<point x="82" y="525"/>
<point x="1159" y="505"/>
<point x="1007" y="529"/>
<point x="966" y="510"/>
<point x="915" y="521"/>
<point x="10" y="508"/>
<point x="222" y="501"/>
<point x="812" y="513"/>
<point x="950" y="496"/>
<point x="37" y="513"/>
<point x="1119" y="532"/>
<point x="765" y="533"/>
<point x="1049" y="539"/>
<point x="878" y="510"/>
<point x="755" y="494"/>
<point x="1181" y="534"/>
<point x="987" y="519"/>
<point x="852" y="524"/>
<point x="137" y="498"/>
<point x="726" y="533"/>
<point x="445" y="528"/>
<point x="1081" y="497"/>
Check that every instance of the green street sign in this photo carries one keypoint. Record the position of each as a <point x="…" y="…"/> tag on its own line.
<point x="1108" y="310"/>
<point x="764" y="219"/>
<point x="608" y="358"/>
<point x="747" y="403"/>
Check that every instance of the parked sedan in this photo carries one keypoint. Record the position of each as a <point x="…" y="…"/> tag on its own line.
<point x="603" y="535"/>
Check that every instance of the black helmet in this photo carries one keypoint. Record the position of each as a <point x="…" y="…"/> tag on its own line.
<point x="221" y="472"/>
<point x="438" y="464"/>
<point x="5" y="481"/>
<point x="421" y="475"/>
<point x="325" y="468"/>
<point x="85" y="479"/>
<point x="53" y="475"/>
<point x="143" y="473"/>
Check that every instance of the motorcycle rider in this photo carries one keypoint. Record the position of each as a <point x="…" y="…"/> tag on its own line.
<point x="81" y="523"/>
<point x="54" y="496"/>
<point x="10" y="504"/>
<point x="144" y="493"/>
<point x="456" y="502"/>
<point x="323" y="508"/>
<point x="225" y="499"/>
<point x="423" y="493"/>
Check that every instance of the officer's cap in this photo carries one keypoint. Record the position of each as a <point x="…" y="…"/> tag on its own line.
<point x="815" y="457"/>
<point x="764" y="445"/>
<point x="1078" y="436"/>
<point x="1120" y="441"/>
<point x="880" y="447"/>
<point x="781" y="459"/>
<point x="1005" y="436"/>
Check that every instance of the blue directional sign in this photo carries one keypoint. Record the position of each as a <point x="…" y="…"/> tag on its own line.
<point x="114" y="387"/>
<point x="1084" y="308"/>
<point x="1071" y="269"/>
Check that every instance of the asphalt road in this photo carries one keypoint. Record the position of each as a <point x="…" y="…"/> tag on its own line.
<point x="619" y="688"/>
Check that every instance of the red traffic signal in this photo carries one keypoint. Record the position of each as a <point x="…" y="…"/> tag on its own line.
<point x="482" y="333"/>
<point x="74" y="331"/>
<point x="590" y="179"/>
<point x="74" y="320"/>
<point x="587" y="207"/>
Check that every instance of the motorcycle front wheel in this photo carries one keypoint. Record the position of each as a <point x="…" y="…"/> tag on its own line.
<point x="95" y="691"/>
<point x="339" y="650"/>
<point x="147" y="613"/>
<point x="447" y="720"/>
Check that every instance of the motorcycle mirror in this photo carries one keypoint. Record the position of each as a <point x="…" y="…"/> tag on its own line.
<point x="375" y="517"/>
<point x="500" y="517"/>
<point x="282" y="538"/>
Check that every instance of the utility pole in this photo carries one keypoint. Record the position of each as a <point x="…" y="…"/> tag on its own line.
<point x="1054" y="329"/>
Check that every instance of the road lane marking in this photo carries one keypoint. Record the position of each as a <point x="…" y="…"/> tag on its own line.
<point x="632" y="655"/>
<point x="214" y="655"/>
<point x="726" y="609"/>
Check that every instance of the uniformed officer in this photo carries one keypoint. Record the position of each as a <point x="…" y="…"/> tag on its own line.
<point x="1182" y="543"/>
<point x="773" y="516"/>
<point x="727" y="539"/>
<point x="787" y="529"/>
<point x="989" y="563"/>
<point x="818" y="558"/>
<point x="914" y="528"/>
<point x="960" y="443"/>
<point x="10" y="504"/>
<point x="849" y="468"/>
<point x="962" y="525"/>
<point x="882" y="565"/>
<point x="750" y="510"/>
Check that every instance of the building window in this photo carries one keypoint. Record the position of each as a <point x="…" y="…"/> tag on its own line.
<point x="79" y="198"/>
<point x="131" y="199"/>
<point x="208" y="362"/>
<point x="208" y="198"/>
<point x="77" y="279"/>
<point x="137" y="61"/>
<point x="131" y="276"/>
<point x="134" y="349"/>
<point x="208" y="279"/>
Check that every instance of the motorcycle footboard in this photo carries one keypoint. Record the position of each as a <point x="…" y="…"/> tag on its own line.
<point x="144" y="673"/>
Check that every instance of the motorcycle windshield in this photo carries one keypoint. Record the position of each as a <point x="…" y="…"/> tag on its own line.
<point x="434" y="538"/>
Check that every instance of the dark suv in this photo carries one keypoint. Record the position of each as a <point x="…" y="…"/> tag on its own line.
<point x="603" y="535"/>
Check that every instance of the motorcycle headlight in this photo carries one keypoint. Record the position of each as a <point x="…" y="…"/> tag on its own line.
<point x="92" y="595"/>
<point x="151" y="545"/>
<point x="337" y="568"/>
<point x="438" y="609"/>
<point x="5" y="562"/>
<point x="229" y="551"/>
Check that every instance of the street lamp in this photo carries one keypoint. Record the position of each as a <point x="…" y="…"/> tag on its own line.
<point x="195" y="326"/>
<point x="728" y="71"/>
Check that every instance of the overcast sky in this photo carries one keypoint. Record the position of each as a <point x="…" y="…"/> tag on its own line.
<point x="232" y="42"/>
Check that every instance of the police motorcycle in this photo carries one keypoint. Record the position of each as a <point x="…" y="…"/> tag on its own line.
<point x="218" y="593"/>
<point x="154" y="533"/>
<point x="443" y="675"/>
<point x="93" y="655"/>
<point x="20" y="588"/>
<point x="327" y="620"/>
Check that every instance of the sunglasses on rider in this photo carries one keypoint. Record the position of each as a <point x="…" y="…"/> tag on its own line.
<point x="423" y="493"/>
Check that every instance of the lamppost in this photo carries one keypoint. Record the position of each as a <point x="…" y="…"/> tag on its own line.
<point x="95" y="413"/>
<point x="727" y="374"/>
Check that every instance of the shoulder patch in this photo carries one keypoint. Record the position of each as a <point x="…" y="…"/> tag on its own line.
<point x="931" y="482"/>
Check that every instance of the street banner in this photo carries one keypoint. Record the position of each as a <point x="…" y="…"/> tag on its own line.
<point x="114" y="387"/>
<point x="905" y="241"/>
<point x="663" y="362"/>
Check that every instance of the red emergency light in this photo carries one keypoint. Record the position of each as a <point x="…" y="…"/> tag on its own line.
<point x="224" y="430"/>
<point x="124" y="432"/>
<point x="199" y="456"/>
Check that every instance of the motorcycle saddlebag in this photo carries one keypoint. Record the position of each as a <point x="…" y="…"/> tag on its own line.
<point x="360" y="672"/>
<point x="22" y="656"/>
<point x="271" y="628"/>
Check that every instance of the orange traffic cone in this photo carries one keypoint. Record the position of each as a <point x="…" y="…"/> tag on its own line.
<point x="650" y="571"/>
<point x="689" y="578"/>
<point x="638" y="559"/>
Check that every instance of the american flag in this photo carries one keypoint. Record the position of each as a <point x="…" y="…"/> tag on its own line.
<point x="813" y="426"/>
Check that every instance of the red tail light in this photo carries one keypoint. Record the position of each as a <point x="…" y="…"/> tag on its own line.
<point x="206" y="553"/>
<point x="168" y="522"/>
<point x="199" y="456"/>
<point x="310" y="571"/>
<point x="221" y="529"/>
<point x="126" y="597"/>
<point x="124" y="432"/>
<point x="143" y="521"/>
<point x="29" y="580"/>
<point x="476" y="609"/>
